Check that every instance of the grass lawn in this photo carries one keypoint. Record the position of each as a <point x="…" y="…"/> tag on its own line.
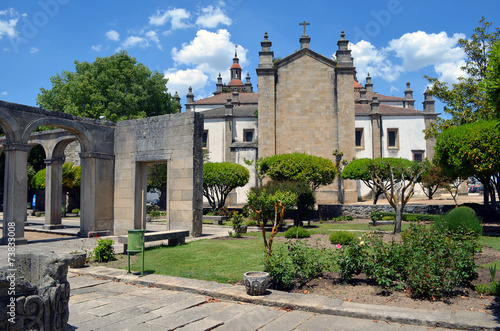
<point x="215" y="260"/>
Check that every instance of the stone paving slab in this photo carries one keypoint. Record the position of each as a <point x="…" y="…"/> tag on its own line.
<point x="296" y="301"/>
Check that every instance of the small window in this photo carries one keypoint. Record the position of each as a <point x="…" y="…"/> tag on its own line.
<point x="360" y="140"/>
<point x="248" y="135"/>
<point x="418" y="156"/>
<point x="392" y="138"/>
<point x="205" y="139"/>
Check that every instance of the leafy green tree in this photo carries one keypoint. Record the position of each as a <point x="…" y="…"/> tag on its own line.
<point x="71" y="177"/>
<point x="219" y="179"/>
<point x="280" y="200"/>
<point x="357" y="169"/>
<point x="157" y="182"/>
<point x="433" y="178"/>
<point x="465" y="101"/>
<point x="402" y="176"/>
<point x="472" y="150"/>
<point x="116" y="87"/>
<point x="491" y="83"/>
<point x="299" y="167"/>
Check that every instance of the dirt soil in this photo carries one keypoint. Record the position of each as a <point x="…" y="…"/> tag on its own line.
<point x="363" y="290"/>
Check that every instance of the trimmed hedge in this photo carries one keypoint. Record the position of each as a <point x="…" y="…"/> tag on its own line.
<point x="376" y="216"/>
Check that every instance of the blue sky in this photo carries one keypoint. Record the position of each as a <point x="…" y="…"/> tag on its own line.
<point x="192" y="41"/>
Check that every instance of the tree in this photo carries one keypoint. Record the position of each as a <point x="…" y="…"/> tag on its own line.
<point x="299" y="167"/>
<point x="157" y="182"/>
<point x="221" y="178"/>
<point x="71" y="177"/>
<point x="280" y="200"/>
<point x="116" y="87"/>
<point x="402" y="176"/>
<point x="357" y="169"/>
<point x="466" y="101"/>
<point x="491" y="83"/>
<point x="433" y="178"/>
<point x="472" y="150"/>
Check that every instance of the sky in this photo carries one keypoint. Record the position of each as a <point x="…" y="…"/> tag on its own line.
<point x="191" y="42"/>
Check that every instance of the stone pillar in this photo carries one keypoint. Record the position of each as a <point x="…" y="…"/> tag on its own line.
<point x="409" y="96"/>
<point x="430" y="119"/>
<point x="96" y="212"/>
<point x="376" y="127"/>
<point x="53" y="193"/>
<point x="344" y="73"/>
<point x="15" y="192"/>
<point x="140" y="199"/>
<point x="228" y="128"/>
<point x="267" y="100"/>
<point x="369" y="85"/>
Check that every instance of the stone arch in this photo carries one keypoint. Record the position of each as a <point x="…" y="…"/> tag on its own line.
<point x="9" y="126"/>
<point x="79" y="130"/>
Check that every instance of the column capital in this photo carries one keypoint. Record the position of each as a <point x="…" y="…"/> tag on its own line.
<point x="59" y="160"/>
<point x="17" y="147"/>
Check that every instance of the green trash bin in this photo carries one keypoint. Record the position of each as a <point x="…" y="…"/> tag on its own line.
<point x="135" y="244"/>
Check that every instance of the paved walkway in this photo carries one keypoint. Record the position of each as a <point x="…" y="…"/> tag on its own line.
<point x="98" y="303"/>
<point x="108" y="299"/>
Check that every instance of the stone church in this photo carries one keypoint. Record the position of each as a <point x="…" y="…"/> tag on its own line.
<point x="310" y="103"/>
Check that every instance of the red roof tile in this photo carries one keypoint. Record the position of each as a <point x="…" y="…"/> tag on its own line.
<point x="235" y="82"/>
<point x="361" y="109"/>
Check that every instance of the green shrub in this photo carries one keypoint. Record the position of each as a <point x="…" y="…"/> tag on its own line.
<point x="297" y="262"/>
<point x="342" y="237"/>
<point x="237" y="220"/>
<point x="492" y="288"/>
<point x="297" y="232"/>
<point x="152" y="208"/>
<point x="104" y="251"/>
<point x="75" y="211"/>
<point x="380" y="215"/>
<point x="388" y="218"/>
<point x="252" y="223"/>
<point x="429" y="261"/>
<point x="462" y="219"/>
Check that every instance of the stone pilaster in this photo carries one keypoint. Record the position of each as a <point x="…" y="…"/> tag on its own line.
<point x="376" y="128"/>
<point x="344" y="73"/>
<point x="267" y="100"/>
<point x="430" y="118"/>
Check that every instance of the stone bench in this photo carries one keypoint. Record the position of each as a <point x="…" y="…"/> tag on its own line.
<point x="174" y="237"/>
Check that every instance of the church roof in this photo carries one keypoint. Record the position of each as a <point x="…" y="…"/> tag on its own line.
<point x="238" y="111"/>
<point x="381" y="97"/>
<point x="235" y="82"/>
<point x="365" y="109"/>
<point x="357" y="85"/>
<point x="235" y="65"/>
<point x="221" y="98"/>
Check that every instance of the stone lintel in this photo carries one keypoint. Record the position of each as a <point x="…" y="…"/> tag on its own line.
<point x="265" y="71"/>
<point x="16" y="147"/>
<point x="97" y="155"/>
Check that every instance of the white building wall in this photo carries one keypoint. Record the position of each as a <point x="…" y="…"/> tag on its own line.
<point x="410" y="132"/>
<point x="241" y="124"/>
<point x="241" y="156"/>
<point x="215" y="143"/>
<point x="365" y="122"/>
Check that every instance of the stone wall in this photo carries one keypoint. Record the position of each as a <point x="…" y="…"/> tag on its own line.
<point x="174" y="139"/>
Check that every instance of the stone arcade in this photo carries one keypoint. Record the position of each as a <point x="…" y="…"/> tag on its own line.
<point x="114" y="160"/>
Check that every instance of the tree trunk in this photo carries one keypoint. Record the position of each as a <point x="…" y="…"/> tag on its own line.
<point x="399" y="219"/>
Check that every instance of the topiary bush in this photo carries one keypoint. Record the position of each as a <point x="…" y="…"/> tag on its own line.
<point x="342" y="238"/>
<point x="297" y="232"/>
<point x="462" y="219"/>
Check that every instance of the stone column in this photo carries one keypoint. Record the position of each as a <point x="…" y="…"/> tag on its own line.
<point x="96" y="212"/>
<point x="53" y="193"/>
<point x="15" y="192"/>
<point x="141" y="184"/>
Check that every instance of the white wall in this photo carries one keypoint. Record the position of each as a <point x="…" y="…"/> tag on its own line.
<point x="240" y="124"/>
<point x="365" y="122"/>
<point x="411" y="136"/>
<point x="215" y="144"/>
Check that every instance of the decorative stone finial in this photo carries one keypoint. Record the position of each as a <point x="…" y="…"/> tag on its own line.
<point x="266" y="36"/>
<point x="342" y="34"/>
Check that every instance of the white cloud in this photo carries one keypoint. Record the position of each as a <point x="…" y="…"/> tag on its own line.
<point x="419" y="49"/>
<point x="210" y="52"/>
<point x="152" y="36"/>
<point x="113" y="35"/>
<point x="368" y="59"/>
<point x="176" y="16"/>
<point x="34" y="50"/>
<point x="4" y="93"/>
<point x="180" y="80"/>
<point x="135" y="41"/>
<point x="212" y="16"/>
<point x="96" y="48"/>
<point x="8" y="21"/>
<point x="412" y="52"/>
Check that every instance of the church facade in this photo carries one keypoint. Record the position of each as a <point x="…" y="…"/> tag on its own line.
<point x="312" y="104"/>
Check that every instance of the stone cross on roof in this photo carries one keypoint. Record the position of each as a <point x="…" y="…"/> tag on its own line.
<point x="304" y="24"/>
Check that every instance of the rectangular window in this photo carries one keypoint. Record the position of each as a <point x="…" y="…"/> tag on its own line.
<point x="392" y="138"/>
<point x="418" y="156"/>
<point x="248" y="135"/>
<point x="360" y="139"/>
<point x="205" y="139"/>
